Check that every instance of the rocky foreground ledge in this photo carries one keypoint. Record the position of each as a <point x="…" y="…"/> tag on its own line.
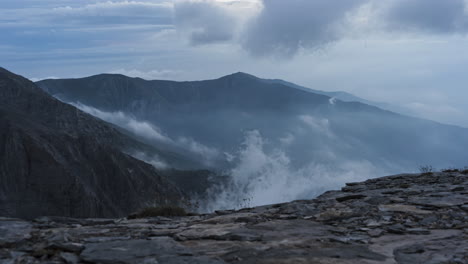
<point x="417" y="218"/>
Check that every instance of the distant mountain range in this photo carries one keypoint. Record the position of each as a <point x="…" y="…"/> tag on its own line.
<point x="58" y="160"/>
<point x="344" y="96"/>
<point x="307" y="125"/>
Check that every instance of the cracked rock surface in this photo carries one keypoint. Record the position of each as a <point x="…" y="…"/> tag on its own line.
<point x="411" y="218"/>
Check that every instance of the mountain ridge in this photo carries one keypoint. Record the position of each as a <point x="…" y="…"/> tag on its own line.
<point x="218" y="112"/>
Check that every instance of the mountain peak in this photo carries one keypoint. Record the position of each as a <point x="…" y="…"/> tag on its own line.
<point x="238" y="75"/>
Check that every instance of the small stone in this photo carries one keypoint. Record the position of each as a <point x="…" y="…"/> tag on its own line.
<point x="375" y="232"/>
<point x="70" y="247"/>
<point x="350" y="197"/>
<point x="429" y="220"/>
<point x="464" y="207"/>
<point x="418" y="231"/>
<point x="69" y="258"/>
<point x="373" y="223"/>
<point x="458" y="189"/>
<point x="402" y="208"/>
<point x="397" y="200"/>
<point x="396" y="229"/>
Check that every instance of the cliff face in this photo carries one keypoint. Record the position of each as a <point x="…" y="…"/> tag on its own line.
<point x="57" y="160"/>
<point x="414" y="218"/>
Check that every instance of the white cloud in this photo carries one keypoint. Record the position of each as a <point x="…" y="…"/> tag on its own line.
<point x="318" y="125"/>
<point x="285" y="27"/>
<point x="211" y="21"/>
<point x="209" y="154"/>
<point x="436" y="111"/>
<point x="265" y="177"/>
<point x="141" y="128"/>
<point x="121" y="9"/>
<point x="148" y="131"/>
<point x="154" y="160"/>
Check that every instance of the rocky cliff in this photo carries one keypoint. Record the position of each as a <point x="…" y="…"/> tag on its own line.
<point x="414" y="218"/>
<point x="58" y="160"/>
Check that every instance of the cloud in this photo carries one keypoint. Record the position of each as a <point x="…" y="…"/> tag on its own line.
<point x="140" y="128"/>
<point x="262" y="176"/>
<point x="116" y="12"/>
<point x="318" y="125"/>
<point x="204" y="21"/>
<point x="210" y="154"/>
<point x="433" y="16"/>
<point x="436" y="111"/>
<point x="285" y="27"/>
<point x="98" y="14"/>
<point x="148" y="131"/>
<point x="154" y="160"/>
<point x="211" y="21"/>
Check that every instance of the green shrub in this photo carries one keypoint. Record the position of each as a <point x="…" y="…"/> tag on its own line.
<point x="167" y="211"/>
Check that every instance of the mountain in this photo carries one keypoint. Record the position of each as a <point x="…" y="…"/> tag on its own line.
<point x="277" y="142"/>
<point x="218" y="112"/>
<point x="343" y="96"/>
<point x="58" y="160"/>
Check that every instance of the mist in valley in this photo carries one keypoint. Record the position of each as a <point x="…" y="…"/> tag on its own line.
<point x="264" y="156"/>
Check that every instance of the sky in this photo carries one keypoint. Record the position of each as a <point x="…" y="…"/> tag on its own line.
<point x="410" y="53"/>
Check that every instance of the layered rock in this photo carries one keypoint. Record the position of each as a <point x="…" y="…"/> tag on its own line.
<point x="414" y="218"/>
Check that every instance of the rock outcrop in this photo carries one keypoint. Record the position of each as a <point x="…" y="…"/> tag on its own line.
<point x="413" y="218"/>
<point x="58" y="160"/>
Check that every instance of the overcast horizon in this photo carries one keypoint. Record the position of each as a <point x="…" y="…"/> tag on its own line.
<point x="409" y="53"/>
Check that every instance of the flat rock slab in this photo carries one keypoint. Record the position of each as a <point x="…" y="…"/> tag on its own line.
<point x="133" y="251"/>
<point x="13" y="231"/>
<point x="411" y="218"/>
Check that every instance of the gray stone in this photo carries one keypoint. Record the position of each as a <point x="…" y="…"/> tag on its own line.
<point x="13" y="231"/>
<point x="69" y="258"/>
<point x="323" y="230"/>
<point x="396" y="229"/>
<point x="132" y="251"/>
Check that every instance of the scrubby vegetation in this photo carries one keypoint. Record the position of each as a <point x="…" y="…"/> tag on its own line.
<point x="451" y="170"/>
<point x="426" y="169"/>
<point x="167" y="211"/>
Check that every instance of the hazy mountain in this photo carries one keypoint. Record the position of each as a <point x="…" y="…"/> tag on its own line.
<point x="344" y="96"/>
<point x="218" y="112"/>
<point x="58" y="160"/>
<point x="278" y="142"/>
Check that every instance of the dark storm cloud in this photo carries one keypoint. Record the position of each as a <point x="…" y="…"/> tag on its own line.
<point x="435" y="16"/>
<point x="283" y="27"/>
<point x="427" y="16"/>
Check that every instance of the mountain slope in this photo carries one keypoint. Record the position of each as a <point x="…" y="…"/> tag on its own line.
<point x="58" y="160"/>
<point x="306" y="125"/>
<point x="344" y="96"/>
